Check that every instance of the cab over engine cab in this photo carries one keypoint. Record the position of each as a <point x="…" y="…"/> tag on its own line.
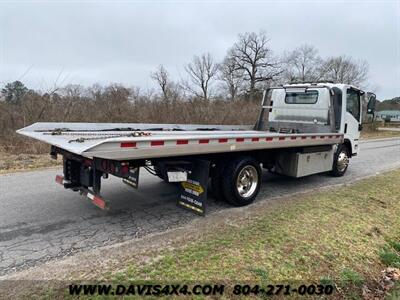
<point x="318" y="107"/>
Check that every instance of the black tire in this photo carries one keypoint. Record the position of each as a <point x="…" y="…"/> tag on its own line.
<point x="243" y="166"/>
<point x="340" y="161"/>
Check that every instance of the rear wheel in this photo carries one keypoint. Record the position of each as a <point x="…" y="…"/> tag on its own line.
<point x="241" y="181"/>
<point x="340" y="161"/>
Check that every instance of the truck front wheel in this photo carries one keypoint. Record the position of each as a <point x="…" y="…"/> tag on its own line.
<point x="340" y="161"/>
<point x="241" y="181"/>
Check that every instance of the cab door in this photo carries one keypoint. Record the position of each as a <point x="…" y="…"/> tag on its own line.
<point x="352" y="124"/>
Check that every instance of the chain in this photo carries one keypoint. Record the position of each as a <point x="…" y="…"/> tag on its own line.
<point x="102" y="136"/>
<point x="98" y="135"/>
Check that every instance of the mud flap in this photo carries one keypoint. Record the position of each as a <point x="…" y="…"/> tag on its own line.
<point x="193" y="194"/>
<point x="133" y="178"/>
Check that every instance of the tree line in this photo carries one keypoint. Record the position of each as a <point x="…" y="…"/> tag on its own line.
<point x="248" y="67"/>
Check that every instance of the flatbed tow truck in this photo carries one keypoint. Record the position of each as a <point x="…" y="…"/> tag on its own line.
<point x="302" y="129"/>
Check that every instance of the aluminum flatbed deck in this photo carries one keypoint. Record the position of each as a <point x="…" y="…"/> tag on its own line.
<point x="129" y="141"/>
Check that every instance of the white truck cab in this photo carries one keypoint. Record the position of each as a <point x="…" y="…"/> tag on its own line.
<point x="317" y="107"/>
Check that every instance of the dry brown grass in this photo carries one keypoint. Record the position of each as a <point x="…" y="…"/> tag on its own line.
<point x="19" y="162"/>
<point x="368" y="135"/>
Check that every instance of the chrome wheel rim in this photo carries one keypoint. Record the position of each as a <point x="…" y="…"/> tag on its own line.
<point x="247" y="180"/>
<point x="342" y="161"/>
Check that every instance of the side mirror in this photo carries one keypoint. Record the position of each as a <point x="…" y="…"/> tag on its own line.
<point x="371" y="103"/>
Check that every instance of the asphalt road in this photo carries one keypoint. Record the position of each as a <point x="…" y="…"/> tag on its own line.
<point x="40" y="221"/>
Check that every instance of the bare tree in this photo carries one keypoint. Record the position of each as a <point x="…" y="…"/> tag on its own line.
<point x="345" y="69"/>
<point x="72" y="97"/>
<point x="161" y="77"/>
<point x="202" y="71"/>
<point x="252" y="54"/>
<point x="302" y="64"/>
<point x="231" y="76"/>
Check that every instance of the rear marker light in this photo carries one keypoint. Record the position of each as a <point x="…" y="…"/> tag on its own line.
<point x="240" y="140"/>
<point x="313" y="137"/>
<point x="269" y="139"/>
<point x="222" y="140"/>
<point x="204" y="141"/>
<point x="182" y="142"/>
<point x="128" y="144"/>
<point x="303" y="137"/>
<point x="157" y="143"/>
<point x="282" y="138"/>
<point x="292" y="137"/>
<point x="255" y="139"/>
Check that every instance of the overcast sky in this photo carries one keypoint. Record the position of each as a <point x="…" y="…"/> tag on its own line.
<point x="46" y="43"/>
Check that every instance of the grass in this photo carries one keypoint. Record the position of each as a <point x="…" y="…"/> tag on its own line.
<point x="390" y="258"/>
<point x="392" y="124"/>
<point x="377" y="134"/>
<point x="18" y="162"/>
<point x="321" y="235"/>
<point x="353" y="277"/>
<point x="395" y="292"/>
<point x="328" y="236"/>
<point x="390" y="254"/>
<point x="395" y="245"/>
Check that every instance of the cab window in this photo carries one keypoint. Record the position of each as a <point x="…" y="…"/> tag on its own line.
<point x="353" y="103"/>
<point x="308" y="97"/>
